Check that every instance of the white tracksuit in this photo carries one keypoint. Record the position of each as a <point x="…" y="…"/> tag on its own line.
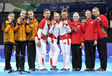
<point x="41" y="50"/>
<point x="65" y="41"/>
<point x="52" y="40"/>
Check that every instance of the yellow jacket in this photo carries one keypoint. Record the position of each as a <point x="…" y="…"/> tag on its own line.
<point x="31" y="30"/>
<point x="8" y="32"/>
<point x="20" y="33"/>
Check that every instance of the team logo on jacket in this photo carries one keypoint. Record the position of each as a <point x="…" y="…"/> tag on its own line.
<point x="91" y="22"/>
<point x="78" y="26"/>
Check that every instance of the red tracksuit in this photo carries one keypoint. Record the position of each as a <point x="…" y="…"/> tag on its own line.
<point x="90" y="34"/>
<point x="41" y="50"/>
<point x="77" y="37"/>
<point x="76" y="40"/>
<point x="102" y="26"/>
<point x="90" y="30"/>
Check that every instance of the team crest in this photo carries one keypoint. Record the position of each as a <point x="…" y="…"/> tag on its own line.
<point x="91" y="22"/>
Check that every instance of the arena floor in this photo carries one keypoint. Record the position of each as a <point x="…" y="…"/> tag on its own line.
<point x="58" y="73"/>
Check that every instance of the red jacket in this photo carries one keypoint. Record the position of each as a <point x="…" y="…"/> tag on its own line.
<point x="43" y="29"/>
<point x="90" y="30"/>
<point x="77" y="36"/>
<point x="102" y="26"/>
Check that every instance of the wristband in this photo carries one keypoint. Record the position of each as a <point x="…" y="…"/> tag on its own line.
<point x="100" y="20"/>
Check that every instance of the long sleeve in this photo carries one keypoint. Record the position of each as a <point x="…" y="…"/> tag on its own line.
<point x="84" y="27"/>
<point x="68" y="28"/>
<point x="17" y="26"/>
<point x="95" y="31"/>
<point x="82" y="35"/>
<point x="104" y="21"/>
<point x="36" y="27"/>
<point x="42" y="23"/>
<point x="7" y="28"/>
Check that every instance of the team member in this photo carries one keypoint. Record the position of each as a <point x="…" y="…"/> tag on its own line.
<point x="31" y="30"/>
<point x="90" y="38"/>
<point x="65" y="41"/>
<point x="102" y="25"/>
<point x="8" y="41"/>
<point x="20" y="38"/>
<point x="76" y="43"/>
<point x="52" y="40"/>
<point x="40" y="40"/>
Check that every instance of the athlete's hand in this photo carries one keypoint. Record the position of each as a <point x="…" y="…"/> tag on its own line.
<point x="98" y="18"/>
<point x="95" y="42"/>
<point x="82" y="44"/>
<point x="53" y="22"/>
<point x="28" y="21"/>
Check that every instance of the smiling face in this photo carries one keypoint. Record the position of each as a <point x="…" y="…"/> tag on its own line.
<point x="64" y="15"/>
<point x="23" y="14"/>
<point x="30" y="14"/>
<point x="11" y="17"/>
<point x="95" y="11"/>
<point x="76" y="16"/>
<point x="88" y="14"/>
<point x="47" y="13"/>
<point x="56" y="16"/>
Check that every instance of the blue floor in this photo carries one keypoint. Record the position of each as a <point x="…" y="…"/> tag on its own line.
<point x="59" y="73"/>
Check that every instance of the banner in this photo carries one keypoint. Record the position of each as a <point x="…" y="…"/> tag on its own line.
<point x="37" y="7"/>
<point x="109" y="51"/>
